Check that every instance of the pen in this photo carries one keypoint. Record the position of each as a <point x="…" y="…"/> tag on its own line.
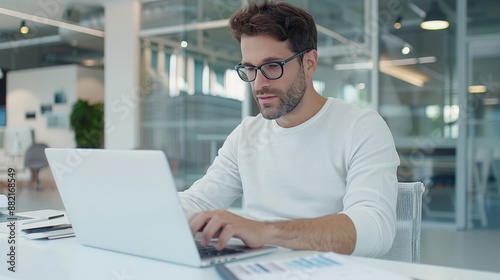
<point x="43" y="219"/>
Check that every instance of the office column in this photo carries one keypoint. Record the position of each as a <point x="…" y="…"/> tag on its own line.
<point x="121" y="73"/>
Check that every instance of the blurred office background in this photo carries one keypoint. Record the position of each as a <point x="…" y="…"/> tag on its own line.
<point x="164" y="71"/>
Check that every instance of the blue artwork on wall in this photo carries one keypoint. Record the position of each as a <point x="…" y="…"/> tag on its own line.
<point x="60" y="97"/>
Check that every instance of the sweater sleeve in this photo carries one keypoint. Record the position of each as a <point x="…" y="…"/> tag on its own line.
<point x="220" y="186"/>
<point x="371" y="185"/>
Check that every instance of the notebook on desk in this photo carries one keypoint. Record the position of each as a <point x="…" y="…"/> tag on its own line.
<point x="126" y="201"/>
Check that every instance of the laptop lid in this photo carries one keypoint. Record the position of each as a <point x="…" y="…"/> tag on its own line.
<point x="127" y="201"/>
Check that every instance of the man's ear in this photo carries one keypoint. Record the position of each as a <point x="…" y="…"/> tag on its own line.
<point x="311" y="61"/>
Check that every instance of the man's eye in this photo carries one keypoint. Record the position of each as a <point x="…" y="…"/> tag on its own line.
<point x="272" y="66"/>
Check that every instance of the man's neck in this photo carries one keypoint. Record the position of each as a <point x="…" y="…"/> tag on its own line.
<point x="310" y="105"/>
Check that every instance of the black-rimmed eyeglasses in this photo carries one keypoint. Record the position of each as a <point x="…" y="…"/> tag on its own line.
<point x="272" y="70"/>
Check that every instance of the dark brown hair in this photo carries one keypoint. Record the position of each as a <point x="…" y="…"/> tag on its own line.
<point x="280" y="20"/>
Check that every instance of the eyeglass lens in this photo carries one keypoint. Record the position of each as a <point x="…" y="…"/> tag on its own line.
<point x="272" y="70"/>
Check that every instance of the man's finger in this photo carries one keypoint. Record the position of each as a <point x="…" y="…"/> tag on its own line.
<point x="225" y="234"/>
<point x="197" y="223"/>
<point x="212" y="228"/>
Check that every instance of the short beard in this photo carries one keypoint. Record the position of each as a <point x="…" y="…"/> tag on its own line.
<point x="289" y="100"/>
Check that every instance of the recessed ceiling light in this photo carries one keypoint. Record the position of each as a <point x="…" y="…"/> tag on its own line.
<point x="89" y="62"/>
<point x="477" y="89"/>
<point x="406" y="50"/>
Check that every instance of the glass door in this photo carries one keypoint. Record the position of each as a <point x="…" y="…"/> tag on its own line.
<point x="483" y="136"/>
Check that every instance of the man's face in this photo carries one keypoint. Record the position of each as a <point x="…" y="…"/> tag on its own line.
<point x="276" y="98"/>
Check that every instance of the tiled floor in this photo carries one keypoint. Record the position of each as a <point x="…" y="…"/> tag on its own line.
<point x="477" y="249"/>
<point x="474" y="249"/>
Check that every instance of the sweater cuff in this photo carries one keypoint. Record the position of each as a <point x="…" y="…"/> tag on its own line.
<point x="367" y="233"/>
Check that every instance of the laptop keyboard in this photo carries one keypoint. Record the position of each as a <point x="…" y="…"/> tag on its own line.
<point x="210" y="251"/>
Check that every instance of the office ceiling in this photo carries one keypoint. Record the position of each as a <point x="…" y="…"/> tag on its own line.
<point x="45" y="44"/>
<point x="49" y="45"/>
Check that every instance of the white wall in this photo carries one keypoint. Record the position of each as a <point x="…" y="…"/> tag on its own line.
<point x="28" y="89"/>
<point x="90" y="84"/>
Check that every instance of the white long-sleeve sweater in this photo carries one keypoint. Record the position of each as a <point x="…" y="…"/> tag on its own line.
<point x="342" y="160"/>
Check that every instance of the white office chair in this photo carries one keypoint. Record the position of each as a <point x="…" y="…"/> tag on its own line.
<point x="406" y="245"/>
<point x="35" y="160"/>
<point x="477" y="191"/>
<point x="16" y="140"/>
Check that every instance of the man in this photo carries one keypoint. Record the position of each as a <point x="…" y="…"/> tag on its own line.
<point x="316" y="173"/>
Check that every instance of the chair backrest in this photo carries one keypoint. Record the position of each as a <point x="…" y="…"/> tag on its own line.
<point x="35" y="157"/>
<point x="406" y="245"/>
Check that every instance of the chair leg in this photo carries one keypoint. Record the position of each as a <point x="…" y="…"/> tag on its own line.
<point x="496" y="173"/>
<point x="37" y="180"/>
<point x="482" y="210"/>
<point x="480" y="174"/>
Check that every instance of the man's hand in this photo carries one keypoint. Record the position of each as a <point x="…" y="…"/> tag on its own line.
<point x="225" y="225"/>
<point x="334" y="232"/>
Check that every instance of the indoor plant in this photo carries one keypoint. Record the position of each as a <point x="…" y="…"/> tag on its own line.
<point x="87" y="122"/>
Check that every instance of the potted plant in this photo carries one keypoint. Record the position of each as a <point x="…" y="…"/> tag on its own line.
<point x="87" y="122"/>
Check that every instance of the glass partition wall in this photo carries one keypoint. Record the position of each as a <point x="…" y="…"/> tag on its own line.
<point x="481" y="121"/>
<point x="373" y="54"/>
<point x="193" y="98"/>
<point x="419" y="100"/>
<point x="483" y="133"/>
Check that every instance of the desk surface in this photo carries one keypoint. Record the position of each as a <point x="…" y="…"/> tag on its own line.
<point x="66" y="259"/>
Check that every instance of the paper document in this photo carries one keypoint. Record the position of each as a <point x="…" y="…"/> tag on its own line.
<point x="42" y="224"/>
<point x="47" y="227"/>
<point x="54" y="234"/>
<point x="317" y="266"/>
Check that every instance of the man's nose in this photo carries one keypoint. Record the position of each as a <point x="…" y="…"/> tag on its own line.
<point x="260" y="81"/>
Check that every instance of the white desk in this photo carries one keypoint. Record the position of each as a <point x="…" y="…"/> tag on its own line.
<point x="66" y="259"/>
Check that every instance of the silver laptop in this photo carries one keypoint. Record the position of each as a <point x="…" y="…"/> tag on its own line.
<point x="126" y="201"/>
